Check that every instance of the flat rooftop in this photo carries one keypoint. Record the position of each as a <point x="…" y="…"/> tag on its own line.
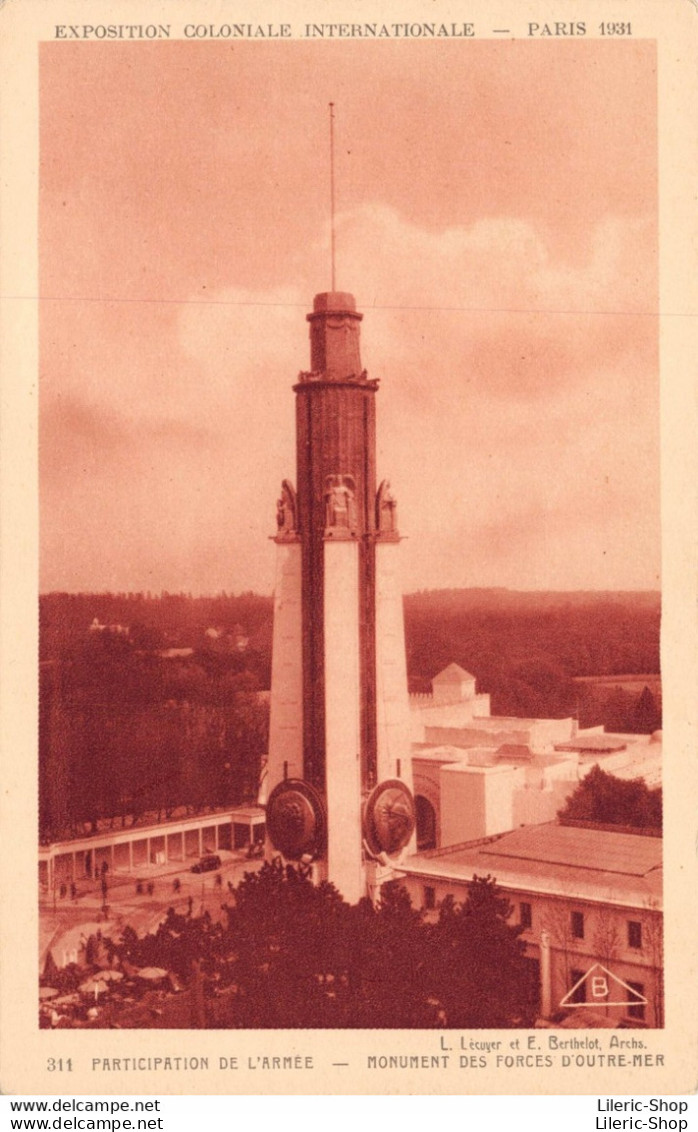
<point x="620" y="868"/>
<point x="596" y="743"/>
<point x="625" y="853"/>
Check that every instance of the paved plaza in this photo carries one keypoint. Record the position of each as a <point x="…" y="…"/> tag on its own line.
<point x="65" y="923"/>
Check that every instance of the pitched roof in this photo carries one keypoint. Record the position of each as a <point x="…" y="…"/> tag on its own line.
<point x="452" y="674"/>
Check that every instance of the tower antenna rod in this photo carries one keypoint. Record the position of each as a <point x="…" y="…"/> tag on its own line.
<point x="332" y="213"/>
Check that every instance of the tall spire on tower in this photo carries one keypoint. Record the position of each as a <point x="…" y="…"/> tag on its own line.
<point x="332" y="202"/>
<point x="339" y="766"/>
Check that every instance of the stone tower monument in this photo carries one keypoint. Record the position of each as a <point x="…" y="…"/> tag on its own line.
<point x="339" y="774"/>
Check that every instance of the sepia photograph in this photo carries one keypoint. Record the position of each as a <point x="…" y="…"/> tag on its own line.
<point x="420" y="785"/>
<point x="350" y="645"/>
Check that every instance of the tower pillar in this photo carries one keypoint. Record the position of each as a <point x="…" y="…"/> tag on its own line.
<point x="392" y="700"/>
<point x="286" y="707"/>
<point x="343" y="718"/>
<point x="339" y="750"/>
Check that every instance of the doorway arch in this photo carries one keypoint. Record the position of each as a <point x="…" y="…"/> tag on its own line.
<point x="426" y="823"/>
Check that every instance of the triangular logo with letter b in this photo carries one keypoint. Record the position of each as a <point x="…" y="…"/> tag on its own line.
<point x="602" y="988"/>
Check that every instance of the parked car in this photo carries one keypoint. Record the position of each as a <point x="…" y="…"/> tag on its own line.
<point x="207" y="864"/>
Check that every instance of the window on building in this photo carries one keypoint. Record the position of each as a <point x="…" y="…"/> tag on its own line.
<point x="580" y="992"/>
<point x="636" y="1009"/>
<point x="635" y="934"/>
<point x="577" y="925"/>
<point x="525" y="914"/>
<point x="429" y="897"/>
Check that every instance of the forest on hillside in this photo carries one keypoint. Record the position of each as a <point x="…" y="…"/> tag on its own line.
<point x="527" y="649"/>
<point x="152" y="703"/>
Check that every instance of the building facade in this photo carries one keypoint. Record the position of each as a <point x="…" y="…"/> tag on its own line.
<point x="589" y="903"/>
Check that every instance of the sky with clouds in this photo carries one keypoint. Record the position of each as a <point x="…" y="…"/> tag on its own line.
<point x="497" y="224"/>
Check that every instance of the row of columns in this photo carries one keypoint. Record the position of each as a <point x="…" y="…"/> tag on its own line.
<point x="154" y="843"/>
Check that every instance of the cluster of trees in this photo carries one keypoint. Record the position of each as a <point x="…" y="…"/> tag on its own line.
<point x="293" y="954"/>
<point x="155" y="621"/>
<point x="603" y="798"/>
<point x="123" y="733"/>
<point x="620" y="707"/>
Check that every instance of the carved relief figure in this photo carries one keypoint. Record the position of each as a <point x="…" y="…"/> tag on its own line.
<point x="286" y="509"/>
<point x="340" y="502"/>
<point x="386" y="508"/>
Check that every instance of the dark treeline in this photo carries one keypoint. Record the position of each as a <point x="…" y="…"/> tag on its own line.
<point x="526" y="648"/>
<point x="493" y="633"/>
<point x="149" y="703"/>
<point x="155" y="621"/>
<point x="125" y="733"/>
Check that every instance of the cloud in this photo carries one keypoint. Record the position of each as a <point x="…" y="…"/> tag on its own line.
<point x="497" y="263"/>
<point x="517" y="411"/>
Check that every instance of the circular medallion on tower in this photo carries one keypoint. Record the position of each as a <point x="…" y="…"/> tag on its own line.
<point x="389" y="817"/>
<point x="296" y="819"/>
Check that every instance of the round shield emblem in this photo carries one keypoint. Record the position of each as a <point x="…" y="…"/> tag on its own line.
<point x="296" y="819"/>
<point x="389" y="817"/>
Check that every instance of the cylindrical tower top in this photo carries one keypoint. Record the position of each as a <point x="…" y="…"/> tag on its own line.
<point x="334" y="337"/>
<point x="337" y="301"/>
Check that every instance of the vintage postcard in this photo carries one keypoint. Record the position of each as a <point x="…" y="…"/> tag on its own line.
<point x="349" y="547"/>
